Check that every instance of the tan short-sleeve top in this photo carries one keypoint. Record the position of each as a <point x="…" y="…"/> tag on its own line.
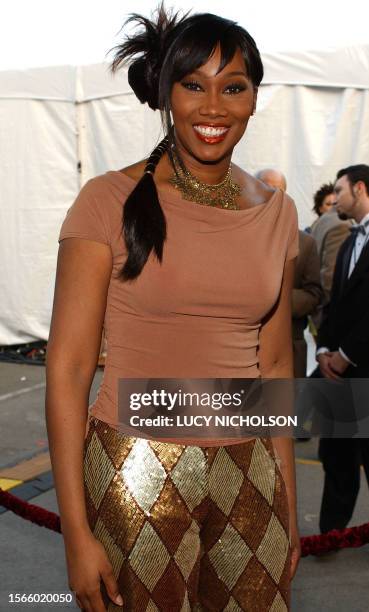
<point x="196" y="315"/>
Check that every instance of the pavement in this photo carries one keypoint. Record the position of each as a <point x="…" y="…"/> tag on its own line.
<point x="32" y="557"/>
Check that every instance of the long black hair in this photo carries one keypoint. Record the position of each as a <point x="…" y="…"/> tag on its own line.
<point x="161" y="52"/>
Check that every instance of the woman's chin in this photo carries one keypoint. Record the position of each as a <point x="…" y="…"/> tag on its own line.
<point x="210" y="154"/>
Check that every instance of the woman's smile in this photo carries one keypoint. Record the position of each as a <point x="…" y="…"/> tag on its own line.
<point x="210" y="133"/>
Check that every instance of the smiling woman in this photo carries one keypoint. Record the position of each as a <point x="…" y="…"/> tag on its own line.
<point x="189" y="260"/>
<point x="213" y="107"/>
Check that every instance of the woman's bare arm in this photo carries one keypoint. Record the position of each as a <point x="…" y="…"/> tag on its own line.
<point x="275" y="340"/>
<point x="276" y="361"/>
<point x="82" y="281"/>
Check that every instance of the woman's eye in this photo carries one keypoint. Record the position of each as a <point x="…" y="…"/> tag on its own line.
<point x="235" y="88"/>
<point x="191" y="85"/>
<point x="231" y="89"/>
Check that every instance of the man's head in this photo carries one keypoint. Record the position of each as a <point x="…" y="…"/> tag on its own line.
<point x="351" y="191"/>
<point x="324" y="199"/>
<point x="273" y="178"/>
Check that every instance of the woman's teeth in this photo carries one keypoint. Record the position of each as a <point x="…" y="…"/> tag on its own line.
<point x="210" y="131"/>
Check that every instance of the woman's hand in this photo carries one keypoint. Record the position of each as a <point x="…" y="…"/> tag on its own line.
<point x="295" y="549"/>
<point x="88" y="564"/>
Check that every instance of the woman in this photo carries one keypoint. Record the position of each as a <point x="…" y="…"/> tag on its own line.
<point x="323" y="201"/>
<point x="198" y="285"/>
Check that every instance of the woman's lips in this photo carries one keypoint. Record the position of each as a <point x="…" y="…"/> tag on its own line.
<point x="210" y="134"/>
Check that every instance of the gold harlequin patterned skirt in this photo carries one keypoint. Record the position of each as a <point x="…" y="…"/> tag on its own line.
<point x="189" y="528"/>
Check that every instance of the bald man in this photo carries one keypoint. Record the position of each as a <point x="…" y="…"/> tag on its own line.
<point x="307" y="291"/>
<point x="273" y="178"/>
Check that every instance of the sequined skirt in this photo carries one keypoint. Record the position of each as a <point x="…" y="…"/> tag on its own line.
<point x="189" y="528"/>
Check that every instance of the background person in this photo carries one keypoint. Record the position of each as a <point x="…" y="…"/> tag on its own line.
<point x="343" y="345"/>
<point x="329" y="232"/>
<point x="323" y="203"/>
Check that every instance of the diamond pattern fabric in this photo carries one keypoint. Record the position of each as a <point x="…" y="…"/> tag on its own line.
<point x="278" y="604"/>
<point x="188" y="550"/>
<point x="149" y="557"/>
<point x="143" y="475"/>
<point x="274" y="533"/>
<point x="189" y="528"/>
<point x="114" y="552"/>
<point x="229" y="556"/>
<point x="232" y="606"/>
<point x="189" y="476"/>
<point x="97" y="480"/>
<point x="151" y="607"/>
<point x="262" y="479"/>
<point x="226" y="495"/>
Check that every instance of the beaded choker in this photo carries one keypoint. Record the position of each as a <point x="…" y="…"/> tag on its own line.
<point x="221" y="195"/>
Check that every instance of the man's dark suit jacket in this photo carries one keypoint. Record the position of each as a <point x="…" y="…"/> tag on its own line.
<point x="346" y="317"/>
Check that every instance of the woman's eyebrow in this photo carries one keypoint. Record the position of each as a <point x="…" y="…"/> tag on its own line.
<point x="235" y="73"/>
<point x="226" y="74"/>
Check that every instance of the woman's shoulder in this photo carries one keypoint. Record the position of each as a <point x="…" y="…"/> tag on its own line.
<point x="103" y="184"/>
<point x="103" y="195"/>
<point x="254" y="191"/>
<point x="96" y="212"/>
<point x="134" y="171"/>
<point x="116" y="183"/>
<point x="110" y="189"/>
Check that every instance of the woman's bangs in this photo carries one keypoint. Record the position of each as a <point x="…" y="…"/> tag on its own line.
<point x="196" y="49"/>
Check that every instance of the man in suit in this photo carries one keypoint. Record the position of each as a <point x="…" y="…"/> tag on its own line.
<point x="329" y="232"/>
<point x="307" y="291"/>
<point x="343" y="345"/>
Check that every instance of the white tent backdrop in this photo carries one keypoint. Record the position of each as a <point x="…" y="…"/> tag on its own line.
<point x="312" y="119"/>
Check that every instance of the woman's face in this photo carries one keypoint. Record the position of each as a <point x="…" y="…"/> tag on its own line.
<point x="211" y="111"/>
<point x="327" y="203"/>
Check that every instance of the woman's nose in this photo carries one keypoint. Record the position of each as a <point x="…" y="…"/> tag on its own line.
<point x="212" y="105"/>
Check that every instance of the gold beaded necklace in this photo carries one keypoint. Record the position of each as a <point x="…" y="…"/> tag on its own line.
<point x="221" y="195"/>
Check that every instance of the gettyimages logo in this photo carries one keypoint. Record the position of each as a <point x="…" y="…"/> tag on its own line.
<point x="202" y="408"/>
<point x="170" y="401"/>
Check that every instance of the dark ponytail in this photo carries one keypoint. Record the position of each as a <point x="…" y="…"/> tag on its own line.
<point x="144" y="225"/>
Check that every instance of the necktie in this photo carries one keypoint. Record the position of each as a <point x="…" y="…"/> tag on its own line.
<point x="359" y="229"/>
